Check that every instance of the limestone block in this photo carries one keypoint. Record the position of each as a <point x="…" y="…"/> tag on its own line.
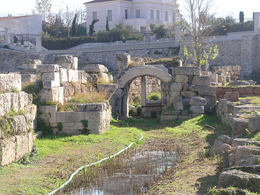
<point x="31" y="137"/>
<point x="30" y="64"/>
<point x="72" y="128"/>
<point x="63" y="75"/>
<point x="103" y="77"/>
<point x="50" y="94"/>
<point x="186" y="71"/>
<point x="9" y="82"/>
<point x="95" y="107"/>
<point x="181" y="79"/>
<point x="169" y="117"/>
<point x="231" y="96"/>
<point x="22" y="146"/>
<point x="186" y="117"/>
<point x="107" y="87"/>
<point x="83" y="76"/>
<point x="221" y="145"/>
<point x="194" y="115"/>
<point x="198" y="101"/>
<point x="15" y="100"/>
<point x="177" y="104"/>
<point x="186" y="103"/>
<point x="244" y="141"/>
<point x="201" y="80"/>
<point x="211" y="101"/>
<point x="204" y="90"/>
<point x="239" y="125"/>
<point x="122" y="61"/>
<point x="66" y="61"/>
<point x="24" y="100"/>
<point x="48" y="114"/>
<point x="95" y="68"/>
<point x="18" y="124"/>
<point x="174" y="95"/>
<point x="47" y="68"/>
<point x="176" y="87"/>
<point x="51" y="76"/>
<point x="187" y="94"/>
<point x="70" y="117"/>
<point x="254" y="124"/>
<point x="197" y="109"/>
<point x="110" y="76"/>
<point x="73" y="75"/>
<point x="7" y="154"/>
<point x="28" y="78"/>
<point x="61" y="95"/>
<point x="51" y="84"/>
<point x="166" y="86"/>
<point x="214" y="78"/>
<point x="243" y="151"/>
<point x="75" y="63"/>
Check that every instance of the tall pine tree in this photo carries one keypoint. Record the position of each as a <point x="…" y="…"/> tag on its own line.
<point x="73" y="31"/>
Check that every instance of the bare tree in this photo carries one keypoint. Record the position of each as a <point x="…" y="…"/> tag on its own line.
<point x="198" y="27"/>
<point x="68" y="16"/>
<point x="43" y="8"/>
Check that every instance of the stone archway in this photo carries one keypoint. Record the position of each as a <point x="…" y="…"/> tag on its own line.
<point x="124" y="82"/>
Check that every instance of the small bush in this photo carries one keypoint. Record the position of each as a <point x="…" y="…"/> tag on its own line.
<point x="6" y="47"/>
<point x="154" y="96"/>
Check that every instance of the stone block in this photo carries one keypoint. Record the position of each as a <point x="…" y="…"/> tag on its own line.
<point x="211" y="101"/>
<point x="95" y="106"/>
<point x="47" y="68"/>
<point x="30" y="64"/>
<point x="232" y="96"/>
<point x="95" y="68"/>
<point x="186" y="71"/>
<point x="204" y="90"/>
<point x="254" y="124"/>
<point x="83" y="76"/>
<point x="10" y="82"/>
<point x="198" y="101"/>
<point x="70" y="117"/>
<point x="51" y="84"/>
<point x="181" y="79"/>
<point x="66" y="61"/>
<point x="185" y="117"/>
<point x="63" y="75"/>
<point x="185" y="113"/>
<point x="61" y="95"/>
<point x="73" y="75"/>
<point x="174" y="95"/>
<point x="201" y="80"/>
<point x="48" y="114"/>
<point x="194" y="115"/>
<point x="239" y="125"/>
<point x="187" y="94"/>
<point x="147" y="114"/>
<point x="22" y="146"/>
<point x="176" y="87"/>
<point x="197" y="109"/>
<point x="29" y="78"/>
<point x="51" y="76"/>
<point x="169" y="117"/>
<point x="103" y="77"/>
<point x="177" y="104"/>
<point x="214" y="78"/>
<point x="186" y="103"/>
<point x="122" y="61"/>
<point x="256" y="90"/>
<point x="50" y="94"/>
<point x="7" y="154"/>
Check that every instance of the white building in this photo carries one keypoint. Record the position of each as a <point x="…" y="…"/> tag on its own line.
<point x="136" y="13"/>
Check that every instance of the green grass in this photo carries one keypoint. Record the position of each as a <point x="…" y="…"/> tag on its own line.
<point x="154" y="96"/>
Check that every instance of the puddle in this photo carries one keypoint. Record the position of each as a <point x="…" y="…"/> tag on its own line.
<point x="127" y="175"/>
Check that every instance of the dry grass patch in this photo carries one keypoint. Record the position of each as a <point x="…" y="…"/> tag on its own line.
<point x="89" y="97"/>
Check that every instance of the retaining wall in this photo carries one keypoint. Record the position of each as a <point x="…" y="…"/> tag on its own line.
<point x="243" y="91"/>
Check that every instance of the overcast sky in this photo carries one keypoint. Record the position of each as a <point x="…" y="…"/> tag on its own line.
<point x="222" y="8"/>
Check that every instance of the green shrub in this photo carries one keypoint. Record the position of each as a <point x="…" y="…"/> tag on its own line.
<point x="154" y="96"/>
<point x="6" y="47"/>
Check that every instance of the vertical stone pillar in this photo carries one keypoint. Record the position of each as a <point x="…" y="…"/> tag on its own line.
<point x="125" y="99"/>
<point x="38" y="43"/>
<point x="7" y="36"/>
<point x="256" y="22"/>
<point x="143" y="94"/>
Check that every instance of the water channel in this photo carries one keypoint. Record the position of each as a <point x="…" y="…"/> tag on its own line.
<point x="128" y="173"/>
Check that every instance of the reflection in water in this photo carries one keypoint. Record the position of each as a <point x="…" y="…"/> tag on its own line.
<point x="131" y="176"/>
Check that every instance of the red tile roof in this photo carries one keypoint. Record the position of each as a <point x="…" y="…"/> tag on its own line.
<point x="14" y="17"/>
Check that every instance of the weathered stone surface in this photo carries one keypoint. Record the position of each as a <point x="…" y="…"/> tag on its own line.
<point x="103" y="77"/>
<point x="248" y="160"/>
<point x="51" y="84"/>
<point x="181" y="78"/>
<point x="244" y="141"/>
<point x="221" y="145"/>
<point x="122" y="61"/>
<point x="73" y="75"/>
<point x="9" y="82"/>
<point x="176" y="87"/>
<point x="7" y="154"/>
<point x="52" y="94"/>
<point x="237" y="178"/>
<point x="47" y="68"/>
<point x="29" y="78"/>
<point x="68" y="89"/>
<point x="198" y="101"/>
<point x="174" y="95"/>
<point x="239" y="125"/>
<point x="211" y="101"/>
<point x="187" y="94"/>
<point x="95" y="68"/>
<point x="30" y="64"/>
<point x="22" y="146"/>
<point x="177" y="104"/>
<point x="83" y="76"/>
<point x="63" y="75"/>
<point x="201" y="80"/>
<point x="186" y="71"/>
<point x="70" y="117"/>
<point x="49" y="76"/>
<point x="243" y="151"/>
<point x="66" y="61"/>
<point x="197" y="109"/>
<point x="254" y="124"/>
<point x="232" y="96"/>
<point x="169" y="117"/>
<point x="48" y="114"/>
<point x="214" y="78"/>
<point x="206" y="91"/>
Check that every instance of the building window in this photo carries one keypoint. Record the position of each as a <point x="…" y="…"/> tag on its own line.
<point x="109" y="15"/>
<point x="126" y="14"/>
<point x="137" y="13"/>
<point x="94" y="15"/>
<point x="166" y="15"/>
<point x="151" y="14"/>
<point x="173" y="17"/>
<point x="157" y="14"/>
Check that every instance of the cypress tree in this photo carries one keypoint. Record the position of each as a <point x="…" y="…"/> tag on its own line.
<point x="91" y="27"/>
<point x="73" y="31"/>
<point x="241" y="17"/>
<point x="107" y="25"/>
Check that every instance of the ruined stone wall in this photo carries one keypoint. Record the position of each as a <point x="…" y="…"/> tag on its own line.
<point x="17" y="121"/>
<point x="243" y="91"/>
<point x="97" y="115"/>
